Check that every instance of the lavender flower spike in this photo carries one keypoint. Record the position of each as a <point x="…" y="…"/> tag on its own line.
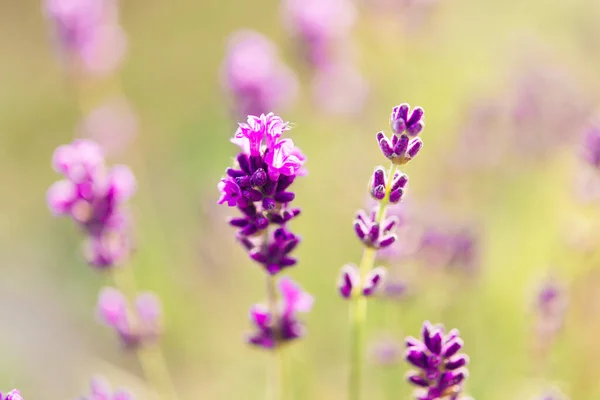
<point x="136" y="328"/>
<point x="259" y="186"/>
<point x="12" y="395"/>
<point x="100" y="389"/>
<point x="379" y="184"/>
<point x="441" y="370"/>
<point x="273" y="330"/>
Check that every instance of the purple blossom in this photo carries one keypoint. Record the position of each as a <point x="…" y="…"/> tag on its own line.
<point x="404" y="145"/>
<point x="386" y="352"/>
<point x="89" y="32"/>
<point x="379" y="184"/>
<point x="373" y="234"/>
<point x="135" y="326"/>
<point x="447" y="248"/>
<point x="591" y="145"/>
<point x="94" y="197"/>
<point x="113" y="125"/>
<point x="441" y="370"/>
<point x="14" y="394"/>
<point x="275" y="330"/>
<point x="258" y="185"/>
<point x="100" y="389"/>
<point x="339" y="88"/>
<point x="350" y="281"/>
<point x="550" y="306"/>
<point x="318" y="26"/>
<point x="254" y="76"/>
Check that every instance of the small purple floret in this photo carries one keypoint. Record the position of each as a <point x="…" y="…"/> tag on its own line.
<point x="440" y="370"/>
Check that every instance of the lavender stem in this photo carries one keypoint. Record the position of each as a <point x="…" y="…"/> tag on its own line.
<point x="358" y="306"/>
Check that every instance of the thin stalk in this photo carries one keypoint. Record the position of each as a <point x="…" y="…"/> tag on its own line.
<point x="276" y="381"/>
<point x="150" y="358"/>
<point x="358" y="306"/>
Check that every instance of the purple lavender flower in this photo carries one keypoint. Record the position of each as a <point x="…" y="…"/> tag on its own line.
<point x="280" y="326"/>
<point x="441" y="370"/>
<point x="591" y="146"/>
<point x="318" y="26"/>
<point x="100" y="389"/>
<point x="550" y="306"/>
<point x="340" y="88"/>
<point x="255" y="77"/>
<point x="350" y="281"/>
<point x="259" y="186"/>
<point x="404" y="145"/>
<point x="379" y="184"/>
<point x="373" y="234"/>
<point x="14" y="394"/>
<point x="94" y="198"/>
<point x="386" y="352"/>
<point x="446" y="248"/>
<point x="135" y="327"/>
<point x="113" y="126"/>
<point x="89" y="32"/>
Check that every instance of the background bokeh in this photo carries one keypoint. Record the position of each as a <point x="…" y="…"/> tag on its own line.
<point x="519" y="185"/>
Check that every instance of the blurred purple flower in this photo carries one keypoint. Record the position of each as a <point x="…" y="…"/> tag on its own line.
<point x="100" y="389"/>
<point x="350" y="281"/>
<point x="548" y="106"/>
<point x="552" y="394"/>
<point x="137" y="326"/>
<point x="14" y="394"/>
<point x="94" y="197"/>
<point x="441" y="370"/>
<point x="591" y="145"/>
<point x="254" y="76"/>
<point x="550" y="307"/>
<point x="89" y="32"/>
<point x="113" y="126"/>
<point x="283" y="326"/>
<point x="449" y="248"/>
<point x="339" y="88"/>
<point x="386" y="352"/>
<point x="318" y="26"/>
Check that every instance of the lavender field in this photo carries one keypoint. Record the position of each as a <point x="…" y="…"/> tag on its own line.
<point x="300" y="200"/>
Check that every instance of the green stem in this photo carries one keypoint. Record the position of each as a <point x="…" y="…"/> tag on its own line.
<point x="358" y="306"/>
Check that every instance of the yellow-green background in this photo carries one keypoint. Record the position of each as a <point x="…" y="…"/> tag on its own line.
<point x="50" y="342"/>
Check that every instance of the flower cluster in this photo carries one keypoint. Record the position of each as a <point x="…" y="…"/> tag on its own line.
<point x="350" y="279"/>
<point x="441" y="369"/>
<point x="88" y="33"/>
<point x="375" y="229"/>
<point x="94" y="197"/>
<point x="254" y="76"/>
<point x="277" y="327"/>
<point x="404" y="145"/>
<point x="100" y="389"/>
<point x="259" y="186"/>
<point x="135" y="327"/>
<point x="12" y="395"/>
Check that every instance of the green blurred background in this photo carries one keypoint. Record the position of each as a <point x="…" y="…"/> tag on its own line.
<point x="50" y="341"/>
